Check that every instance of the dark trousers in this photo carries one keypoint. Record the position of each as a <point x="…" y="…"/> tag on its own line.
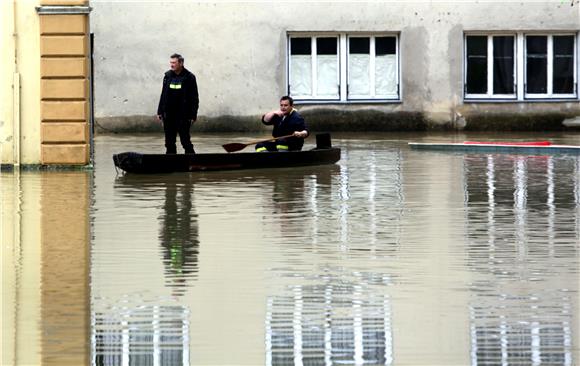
<point x="173" y="127"/>
<point x="280" y="145"/>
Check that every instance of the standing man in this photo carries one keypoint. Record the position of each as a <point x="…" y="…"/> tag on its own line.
<point x="178" y="105"/>
<point x="286" y="121"/>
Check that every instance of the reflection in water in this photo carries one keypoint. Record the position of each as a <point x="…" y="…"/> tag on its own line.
<point x="179" y="235"/>
<point x="391" y="257"/>
<point x="141" y="335"/>
<point x="522" y="310"/>
<point x="44" y="232"/>
<point x="179" y="232"/>
<point x="344" y="316"/>
<point x="329" y="324"/>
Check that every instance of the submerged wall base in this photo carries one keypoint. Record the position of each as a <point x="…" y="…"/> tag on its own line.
<point x="359" y="121"/>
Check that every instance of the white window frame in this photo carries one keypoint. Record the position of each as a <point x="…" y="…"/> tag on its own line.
<point x="550" y="67"/>
<point x="314" y="66"/>
<point x="372" y="81"/>
<point x="520" y="68"/>
<point x="342" y="60"/>
<point x="490" y="69"/>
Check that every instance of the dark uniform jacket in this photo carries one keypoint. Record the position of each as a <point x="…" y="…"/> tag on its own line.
<point x="288" y="125"/>
<point x="179" y="96"/>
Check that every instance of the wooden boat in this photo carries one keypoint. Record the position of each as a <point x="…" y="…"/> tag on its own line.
<point x="133" y="162"/>
<point x="509" y="147"/>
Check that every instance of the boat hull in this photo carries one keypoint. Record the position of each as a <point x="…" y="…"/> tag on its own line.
<point x="132" y="162"/>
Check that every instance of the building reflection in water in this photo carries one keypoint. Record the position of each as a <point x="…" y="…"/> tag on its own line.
<point x="141" y="335"/>
<point x="45" y="236"/>
<point x="520" y="211"/>
<point x="325" y="319"/>
<point x="133" y="333"/>
<point x="329" y="324"/>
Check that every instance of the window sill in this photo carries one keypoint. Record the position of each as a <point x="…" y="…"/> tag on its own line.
<point x="347" y="102"/>
<point x="534" y="100"/>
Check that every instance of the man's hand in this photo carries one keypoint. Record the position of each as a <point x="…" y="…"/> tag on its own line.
<point x="268" y="116"/>
<point x="159" y="118"/>
<point x="301" y="134"/>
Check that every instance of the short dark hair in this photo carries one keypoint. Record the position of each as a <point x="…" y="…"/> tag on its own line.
<point x="288" y="98"/>
<point x="178" y="57"/>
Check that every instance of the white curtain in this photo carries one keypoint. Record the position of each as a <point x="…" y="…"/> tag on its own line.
<point x="385" y="75"/>
<point x="358" y="75"/>
<point x="300" y="75"/>
<point x="327" y="78"/>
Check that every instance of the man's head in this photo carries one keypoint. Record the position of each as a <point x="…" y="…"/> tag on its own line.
<point x="176" y="62"/>
<point x="286" y="104"/>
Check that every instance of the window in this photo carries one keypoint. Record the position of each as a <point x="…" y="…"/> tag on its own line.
<point x="550" y="66"/>
<point x="343" y="67"/>
<point x="314" y="68"/>
<point x="372" y="67"/>
<point x="490" y="66"/>
<point x="520" y="66"/>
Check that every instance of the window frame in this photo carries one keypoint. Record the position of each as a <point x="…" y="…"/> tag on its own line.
<point x="313" y="65"/>
<point x="550" y="67"/>
<point x="343" y="64"/>
<point x="520" y="64"/>
<point x="490" y="68"/>
<point x="372" y="67"/>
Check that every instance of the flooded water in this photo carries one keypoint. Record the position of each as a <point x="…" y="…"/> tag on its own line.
<point x="390" y="257"/>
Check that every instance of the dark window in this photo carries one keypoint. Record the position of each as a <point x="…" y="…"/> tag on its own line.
<point x="563" y="78"/>
<point x="359" y="45"/>
<point x="326" y="46"/>
<point x="537" y="64"/>
<point x="476" y="78"/>
<point x="300" y="46"/>
<point x="503" y="65"/>
<point x="385" y="46"/>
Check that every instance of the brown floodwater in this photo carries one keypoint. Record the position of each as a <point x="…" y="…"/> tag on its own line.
<point x="392" y="256"/>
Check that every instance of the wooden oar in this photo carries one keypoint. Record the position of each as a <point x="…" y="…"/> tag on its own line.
<point x="237" y="146"/>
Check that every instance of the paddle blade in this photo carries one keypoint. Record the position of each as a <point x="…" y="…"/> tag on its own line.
<point x="234" y="146"/>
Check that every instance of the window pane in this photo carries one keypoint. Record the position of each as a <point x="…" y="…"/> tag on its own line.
<point x="361" y="45"/>
<point x="563" y="78"/>
<point x="326" y="46"/>
<point x="300" y="46"/>
<point x="537" y="64"/>
<point x="503" y="65"/>
<point x="300" y="66"/>
<point x="385" y="46"/>
<point x="385" y="66"/>
<point x="359" y="66"/>
<point x="476" y="78"/>
<point x="327" y="67"/>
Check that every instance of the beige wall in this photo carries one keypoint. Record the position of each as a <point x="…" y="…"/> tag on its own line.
<point x="44" y="109"/>
<point x="20" y="134"/>
<point x="6" y="76"/>
<point x="64" y="89"/>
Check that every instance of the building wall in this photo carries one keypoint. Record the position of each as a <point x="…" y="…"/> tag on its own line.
<point x="238" y="53"/>
<point x="19" y="106"/>
<point x="64" y="88"/>
<point x="44" y="109"/>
